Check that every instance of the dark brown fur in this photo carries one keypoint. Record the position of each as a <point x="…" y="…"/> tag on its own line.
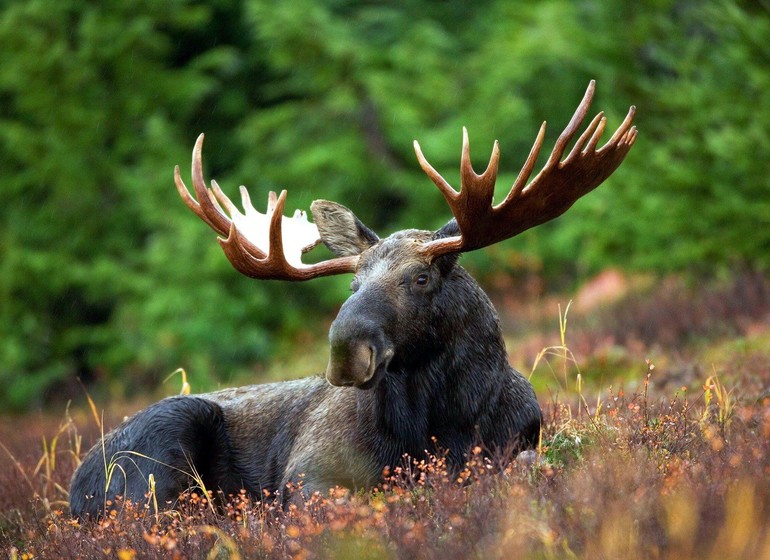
<point x="416" y="353"/>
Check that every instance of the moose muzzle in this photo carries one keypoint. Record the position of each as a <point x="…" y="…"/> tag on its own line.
<point x="351" y="364"/>
<point x="359" y="354"/>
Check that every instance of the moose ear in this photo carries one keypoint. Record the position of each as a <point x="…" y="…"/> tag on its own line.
<point x="343" y="233"/>
<point x="450" y="229"/>
<point x="447" y="262"/>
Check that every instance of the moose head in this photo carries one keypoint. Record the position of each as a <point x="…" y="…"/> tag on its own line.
<point x="398" y="278"/>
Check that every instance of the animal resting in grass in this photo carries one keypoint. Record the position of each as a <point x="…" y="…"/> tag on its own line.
<point x="417" y="361"/>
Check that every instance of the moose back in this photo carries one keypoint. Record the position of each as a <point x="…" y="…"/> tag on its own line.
<point x="416" y="357"/>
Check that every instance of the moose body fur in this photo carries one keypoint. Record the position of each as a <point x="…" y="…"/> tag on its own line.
<point x="448" y="387"/>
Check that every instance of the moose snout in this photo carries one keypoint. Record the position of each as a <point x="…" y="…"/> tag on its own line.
<point x="351" y="364"/>
<point x="357" y="360"/>
<point x="359" y="348"/>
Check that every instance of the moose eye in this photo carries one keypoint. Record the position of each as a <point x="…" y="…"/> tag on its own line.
<point x="421" y="280"/>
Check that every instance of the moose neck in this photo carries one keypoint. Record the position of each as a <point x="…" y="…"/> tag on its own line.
<point x="438" y="385"/>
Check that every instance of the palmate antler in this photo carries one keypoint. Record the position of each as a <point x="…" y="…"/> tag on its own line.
<point x="558" y="185"/>
<point x="264" y="246"/>
<point x="270" y="245"/>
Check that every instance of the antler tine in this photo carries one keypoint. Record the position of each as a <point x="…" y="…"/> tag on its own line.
<point x="529" y="165"/>
<point x="477" y="190"/>
<point x="248" y="207"/>
<point x="213" y="197"/>
<point x="191" y="203"/>
<point x="221" y="198"/>
<point x="630" y="136"/>
<point x="573" y="126"/>
<point x="553" y="190"/>
<point x="216" y="218"/>
<point x="253" y="242"/>
<point x="251" y="260"/>
<point x="271" y="201"/>
<point x="449" y="193"/>
<point x="276" y="227"/>
<point x="238" y="219"/>
<point x="594" y="131"/>
<point x="216" y="224"/>
<point x="597" y="134"/>
<point x="622" y="130"/>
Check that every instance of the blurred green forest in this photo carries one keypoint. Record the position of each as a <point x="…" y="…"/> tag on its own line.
<point x="106" y="276"/>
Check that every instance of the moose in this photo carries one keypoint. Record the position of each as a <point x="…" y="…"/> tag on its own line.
<point x="417" y="361"/>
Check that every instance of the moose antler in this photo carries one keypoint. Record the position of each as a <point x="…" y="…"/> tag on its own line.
<point x="558" y="185"/>
<point x="264" y="246"/>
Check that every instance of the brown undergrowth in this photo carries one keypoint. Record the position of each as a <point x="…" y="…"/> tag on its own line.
<point x="618" y="321"/>
<point x="638" y="476"/>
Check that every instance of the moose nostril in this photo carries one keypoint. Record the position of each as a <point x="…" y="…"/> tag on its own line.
<point x="365" y="362"/>
<point x="351" y="364"/>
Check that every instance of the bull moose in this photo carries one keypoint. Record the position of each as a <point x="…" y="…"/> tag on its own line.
<point x="416" y="361"/>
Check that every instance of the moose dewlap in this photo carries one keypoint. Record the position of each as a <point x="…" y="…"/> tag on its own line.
<point x="416" y="357"/>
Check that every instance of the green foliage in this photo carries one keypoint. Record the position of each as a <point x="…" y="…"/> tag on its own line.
<point x="696" y="196"/>
<point x="105" y="275"/>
